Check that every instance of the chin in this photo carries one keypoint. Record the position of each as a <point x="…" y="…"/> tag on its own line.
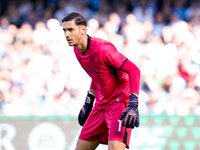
<point x="70" y="44"/>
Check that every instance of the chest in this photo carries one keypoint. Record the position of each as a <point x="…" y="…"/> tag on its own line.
<point x="90" y="61"/>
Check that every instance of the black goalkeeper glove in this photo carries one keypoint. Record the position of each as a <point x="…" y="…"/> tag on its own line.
<point x="86" y="109"/>
<point x="131" y="114"/>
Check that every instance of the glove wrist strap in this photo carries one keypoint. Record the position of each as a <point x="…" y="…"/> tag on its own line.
<point x="90" y="98"/>
<point x="133" y="102"/>
<point x="90" y="93"/>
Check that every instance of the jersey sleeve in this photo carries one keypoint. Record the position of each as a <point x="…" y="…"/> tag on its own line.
<point x="111" y="56"/>
<point x="134" y="75"/>
<point x="93" y="85"/>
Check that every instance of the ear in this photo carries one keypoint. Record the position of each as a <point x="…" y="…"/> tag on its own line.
<point x="83" y="30"/>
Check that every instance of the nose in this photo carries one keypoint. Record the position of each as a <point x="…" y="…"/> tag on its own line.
<point x="66" y="34"/>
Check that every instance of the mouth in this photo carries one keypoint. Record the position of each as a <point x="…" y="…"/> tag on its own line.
<point x="69" y="40"/>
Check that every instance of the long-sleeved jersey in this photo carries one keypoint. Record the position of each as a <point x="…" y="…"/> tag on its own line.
<point x="109" y="69"/>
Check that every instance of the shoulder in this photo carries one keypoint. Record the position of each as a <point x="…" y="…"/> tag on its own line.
<point x="101" y="42"/>
<point x="97" y="42"/>
<point x="102" y="45"/>
<point x="108" y="47"/>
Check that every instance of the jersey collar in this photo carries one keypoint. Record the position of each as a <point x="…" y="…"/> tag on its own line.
<point x="88" y="43"/>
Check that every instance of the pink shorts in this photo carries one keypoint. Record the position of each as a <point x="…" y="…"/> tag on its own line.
<point x="104" y="126"/>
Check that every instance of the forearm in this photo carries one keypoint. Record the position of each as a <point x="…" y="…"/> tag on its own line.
<point x="92" y="91"/>
<point x="92" y="87"/>
<point x="134" y="76"/>
<point x="136" y="94"/>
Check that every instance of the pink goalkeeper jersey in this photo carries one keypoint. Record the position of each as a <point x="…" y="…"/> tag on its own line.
<point x="102" y="62"/>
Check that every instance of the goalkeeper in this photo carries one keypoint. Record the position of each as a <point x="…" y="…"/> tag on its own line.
<point x="114" y="88"/>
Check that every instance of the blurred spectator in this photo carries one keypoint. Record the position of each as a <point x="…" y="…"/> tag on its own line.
<point x="92" y="26"/>
<point x="40" y="34"/>
<point x="14" y="15"/>
<point x="122" y="11"/>
<point x="116" y="20"/>
<point x="193" y="13"/>
<point x="193" y="10"/>
<point x="4" y="23"/>
<point x="166" y="10"/>
<point x="179" y="9"/>
<point x="94" y="5"/>
<point x="159" y="22"/>
<point x="143" y="12"/>
<point x="82" y="7"/>
<point x="32" y="18"/>
<point x="25" y="7"/>
<point x="167" y="34"/>
<point x="102" y="14"/>
<point x="39" y="7"/>
<point x="113" y="30"/>
<point x="47" y="14"/>
<point x="62" y="10"/>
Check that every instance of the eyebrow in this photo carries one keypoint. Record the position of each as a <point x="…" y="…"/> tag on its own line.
<point x="67" y="29"/>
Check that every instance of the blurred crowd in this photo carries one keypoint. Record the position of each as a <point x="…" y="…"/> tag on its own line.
<point x="39" y="74"/>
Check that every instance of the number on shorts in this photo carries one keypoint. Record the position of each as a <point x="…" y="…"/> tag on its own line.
<point x="119" y="128"/>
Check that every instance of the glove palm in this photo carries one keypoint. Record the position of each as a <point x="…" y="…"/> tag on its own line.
<point x="131" y="114"/>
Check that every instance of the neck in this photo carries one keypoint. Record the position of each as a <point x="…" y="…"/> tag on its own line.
<point x="83" y="44"/>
